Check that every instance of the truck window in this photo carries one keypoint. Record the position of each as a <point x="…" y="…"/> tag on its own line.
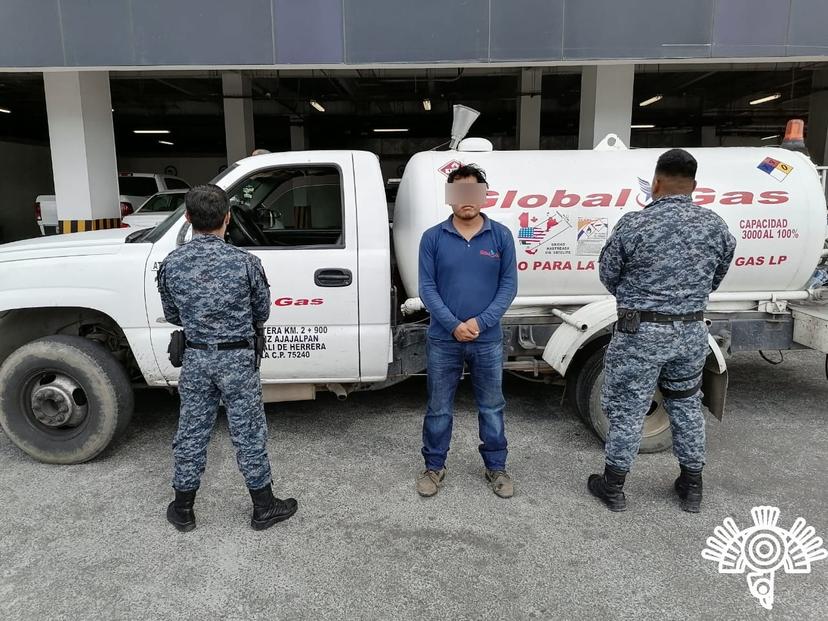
<point x="137" y="186"/>
<point x="162" y="202"/>
<point x="176" y="184"/>
<point x="288" y="206"/>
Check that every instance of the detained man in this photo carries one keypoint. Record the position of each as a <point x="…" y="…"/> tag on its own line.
<point x="467" y="280"/>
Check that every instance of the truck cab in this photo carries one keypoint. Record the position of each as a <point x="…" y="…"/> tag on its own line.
<point x="81" y="319"/>
<point x="317" y="222"/>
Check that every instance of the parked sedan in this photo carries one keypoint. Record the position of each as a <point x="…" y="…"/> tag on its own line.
<point x="156" y="209"/>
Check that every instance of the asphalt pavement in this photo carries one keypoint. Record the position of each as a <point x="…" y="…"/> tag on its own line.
<point x="91" y="542"/>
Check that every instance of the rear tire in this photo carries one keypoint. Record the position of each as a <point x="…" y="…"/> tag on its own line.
<point x="656" y="435"/>
<point x="64" y="399"/>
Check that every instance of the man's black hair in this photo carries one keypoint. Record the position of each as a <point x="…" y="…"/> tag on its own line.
<point x="468" y="170"/>
<point x="207" y="206"/>
<point x="677" y="163"/>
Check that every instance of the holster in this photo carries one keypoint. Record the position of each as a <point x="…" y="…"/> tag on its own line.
<point x="629" y="321"/>
<point x="259" y="344"/>
<point x="176" y="348"/>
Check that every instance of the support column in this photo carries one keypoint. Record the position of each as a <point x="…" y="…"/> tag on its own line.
<point x="298" y="140"/>
<point x="529" y="109"/>
<point x="816" y="132"/>
<point x="606" y="103"/>
<point x="238" y="115"/>
<point x="79" y="110"/>
<point x="709" y="137"/>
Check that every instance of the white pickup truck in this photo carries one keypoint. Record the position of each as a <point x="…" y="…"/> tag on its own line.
<point x="134" y="189"/>
<point x="81" y="321"/>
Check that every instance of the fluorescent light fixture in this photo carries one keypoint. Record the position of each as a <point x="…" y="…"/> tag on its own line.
<point x="651" y="100"/>
<point x="5" y="110"/>
<point x="642" y="126"/>
<point x="150" y="131"/>
<point x="427" y="105"/>
<point x="762" y="100"/>
<point x="165" y="142"/>
<point x="317" y="105"/>
<point x="388" y="130"/>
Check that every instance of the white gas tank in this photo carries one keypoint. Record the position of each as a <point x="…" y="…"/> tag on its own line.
<point x="562" y="205"/>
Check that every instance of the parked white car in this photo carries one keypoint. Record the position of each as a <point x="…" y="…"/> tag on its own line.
<point x="155" y="209"/>
<point x="134" y="189"/>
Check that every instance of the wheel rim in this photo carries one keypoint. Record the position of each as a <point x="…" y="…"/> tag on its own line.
<point x="655" y="423"/>
<point x="55" y="400"/>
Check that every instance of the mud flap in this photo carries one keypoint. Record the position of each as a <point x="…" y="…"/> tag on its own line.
<point x="714" y="385"/>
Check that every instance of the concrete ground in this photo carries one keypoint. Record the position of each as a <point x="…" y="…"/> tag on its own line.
<point x="91" y="542"/>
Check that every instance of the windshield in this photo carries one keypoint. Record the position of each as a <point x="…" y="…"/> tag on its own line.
<point x="161" y="203"/>
<point x="159" y="231"/>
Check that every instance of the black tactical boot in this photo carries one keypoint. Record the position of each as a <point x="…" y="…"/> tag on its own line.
<point x="180" y="511"/>
<point x="609" y="487"/>
<point x="267" y="509"/>
<point x="689" y="489"/>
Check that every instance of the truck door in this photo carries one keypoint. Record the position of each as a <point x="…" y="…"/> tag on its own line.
<point x="300" y="220"/>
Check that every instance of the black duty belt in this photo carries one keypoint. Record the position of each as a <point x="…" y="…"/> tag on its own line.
<point x="221" y="346"/>
<point x="653" y="317"/>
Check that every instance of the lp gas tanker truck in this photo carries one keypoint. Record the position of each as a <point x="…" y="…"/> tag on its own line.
<point x="81" y="323"/>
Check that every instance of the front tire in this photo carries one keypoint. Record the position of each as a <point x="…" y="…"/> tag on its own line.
<point x="656" y="436"/>
<point x="64" y="399"/>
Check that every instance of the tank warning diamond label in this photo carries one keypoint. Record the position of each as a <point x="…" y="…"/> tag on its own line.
<point x="776" y="169"/>
<point x="448" y="167"/>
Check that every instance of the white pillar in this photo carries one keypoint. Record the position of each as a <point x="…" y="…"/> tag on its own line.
<point x="79" y="109"/>
<point x="529" y="109"/>
<point x="238" y="115"/>
<point x="816" y="133"/>
<point x="606" y="103"/>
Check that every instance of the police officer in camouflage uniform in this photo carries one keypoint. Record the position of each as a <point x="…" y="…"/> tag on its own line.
<point x="217" y="293"/>
<point x="661" y="265"/>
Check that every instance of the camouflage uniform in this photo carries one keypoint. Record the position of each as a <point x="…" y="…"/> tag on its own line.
<point x="217" y="292"/>
<point x="667" y="259"/>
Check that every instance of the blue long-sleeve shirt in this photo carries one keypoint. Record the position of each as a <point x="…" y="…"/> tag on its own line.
<point x="460" y="279"/>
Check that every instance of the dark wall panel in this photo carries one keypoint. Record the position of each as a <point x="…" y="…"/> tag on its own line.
<point x="527" y="29"/>
<point x="421" y="31"/>
<point x="653" y="29"/>
<point x="750" y="27"/>
<point x="90" y="33"/>
<point x="30" y="34"/>
<point x="309" y="31"/>
<point x="808" y="33"/>
<point x="181" y="32"/>
<point x="97" y="32"/>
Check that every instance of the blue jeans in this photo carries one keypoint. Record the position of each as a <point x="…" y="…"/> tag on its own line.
<point x="445" y="367"/>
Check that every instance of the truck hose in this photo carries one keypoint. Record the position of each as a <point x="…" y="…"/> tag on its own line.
<point x="773" y="362"/>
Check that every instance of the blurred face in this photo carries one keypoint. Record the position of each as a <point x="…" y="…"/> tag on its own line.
<point x="466" y="197"/>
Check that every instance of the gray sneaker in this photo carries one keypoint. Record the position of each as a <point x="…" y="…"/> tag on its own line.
<point x="501" y="483"/>
<point x="429" y="482"/>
